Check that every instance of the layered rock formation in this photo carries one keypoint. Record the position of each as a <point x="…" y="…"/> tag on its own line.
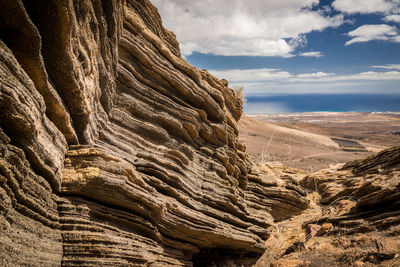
<point x="369" y="189"/>
<point x="353" y="219"/>
<point x="361" y="212"/>
<point x="115" y="151"/>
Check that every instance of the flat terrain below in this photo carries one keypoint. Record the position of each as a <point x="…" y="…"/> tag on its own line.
<point x="315" y="140"/>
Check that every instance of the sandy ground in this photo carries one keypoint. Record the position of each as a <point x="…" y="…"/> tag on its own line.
<point x="303" y="140"/>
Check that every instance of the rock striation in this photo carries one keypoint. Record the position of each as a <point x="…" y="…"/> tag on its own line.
<point x="353" y="217"/>
<point x="115" y="151"/>
<point x="369" y="189"/>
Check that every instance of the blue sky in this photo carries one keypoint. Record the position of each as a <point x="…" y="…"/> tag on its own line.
<point x="291" y="46"/>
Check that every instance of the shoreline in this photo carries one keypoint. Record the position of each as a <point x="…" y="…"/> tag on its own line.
<point x="397" y="113"/>
<point x="304" y="103"/>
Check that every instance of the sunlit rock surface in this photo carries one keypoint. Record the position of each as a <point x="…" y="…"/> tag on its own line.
<point x="114" y="151"/>
<point x="370" y="188"/>
<point x="353" y="218"/>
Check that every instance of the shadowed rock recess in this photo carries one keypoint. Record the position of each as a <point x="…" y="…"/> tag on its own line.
<point x="114" y="151"/>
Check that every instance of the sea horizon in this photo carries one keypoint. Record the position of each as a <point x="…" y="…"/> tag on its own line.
<point x="304" y="103"/>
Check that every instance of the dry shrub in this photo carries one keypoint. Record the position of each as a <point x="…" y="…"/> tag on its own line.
<point x="238" y="91"/>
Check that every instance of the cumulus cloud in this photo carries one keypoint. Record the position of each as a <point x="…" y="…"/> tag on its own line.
<point x="251" y="75"/>
<point x="393" y="18"/>
<point x="388" y="67"/>
<point x="318" y="74"/>
<point x="280" y="81"/>
<point x="235" y="27"/>
<point x="312" y="54"/>
<point x="363" y="76"/>
<point x="388" y="9"/>
<point x="267" y="76"/>
<point x="371" y="32"/>
<point x="366" y="6"/>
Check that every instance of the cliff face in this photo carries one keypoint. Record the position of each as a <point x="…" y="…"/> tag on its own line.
<point x="115" y="151"/>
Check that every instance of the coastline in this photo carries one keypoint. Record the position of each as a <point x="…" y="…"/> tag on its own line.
<point x="311" y="113"/>
<point x="301" y="103"/>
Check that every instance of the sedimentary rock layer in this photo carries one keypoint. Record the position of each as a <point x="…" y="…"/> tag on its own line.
<point x="114" y="150"/>
<point x="370" y="189"/>
<point x="353" y="217"/>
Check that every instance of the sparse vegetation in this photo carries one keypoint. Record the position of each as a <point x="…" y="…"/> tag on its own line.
<point x="264" y="154"/>
<point x="238" y="91"/>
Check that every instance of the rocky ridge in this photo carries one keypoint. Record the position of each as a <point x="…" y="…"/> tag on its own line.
<point x="353" y="218"/>
<point x="115" y="151"/>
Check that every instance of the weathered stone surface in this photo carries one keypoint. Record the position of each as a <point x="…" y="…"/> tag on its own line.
<point x="360" y="213"/>
<point x="31" y="162"/>
<point x="115" y="151"/>
<point x="28" y="212"/>
<point x="271" y="190"/>
<point x="385" y="161"/>
<point x="353" y="217"/>
<point x="370" y="188"/>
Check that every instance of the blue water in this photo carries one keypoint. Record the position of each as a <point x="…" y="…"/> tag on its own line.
<point x="293" y="103"/>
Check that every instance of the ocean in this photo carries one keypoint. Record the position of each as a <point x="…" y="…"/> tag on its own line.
<point x="295" y="103"/>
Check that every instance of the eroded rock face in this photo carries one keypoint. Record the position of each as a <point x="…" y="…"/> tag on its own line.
<point x="353" y="217"/>
<point x="367" y="190"/>
<point x="114" y="150"/>
<point x="361" y="204"/>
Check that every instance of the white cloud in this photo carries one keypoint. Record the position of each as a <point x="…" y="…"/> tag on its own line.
<point x="237" y="27"/>
<point x="363" y="76"/>
<point x="312" y="54"/>
<point x="366" y="6"/>
<point x="388" y="67"/>
<point x="318" y="74"/>
<point x="277" y="76"/>
<point x="394" y="18"/>
<point x="373" y="75"/>
<point x="251" y="75"/>
<point x="371" y="32"/>
<point x="241" y="47"/>
<point x="279" y="81"/>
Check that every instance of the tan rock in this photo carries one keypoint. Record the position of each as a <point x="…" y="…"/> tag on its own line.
<point x="362" y="186"/>
<point x="358" y="264"/>
<point x="326" y="228"/>
<point x="290" y="263"/>
<point x="312" y="230"/>
<point x="116" y="150"/>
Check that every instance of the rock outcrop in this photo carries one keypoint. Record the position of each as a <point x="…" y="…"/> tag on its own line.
<point x="361" y="210"/>
<point x="367" y="190"/>
<point x="353" y="219"/>
<point x="115" y="151"/>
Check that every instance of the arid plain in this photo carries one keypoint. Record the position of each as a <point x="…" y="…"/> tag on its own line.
<point x="316" y="140"/>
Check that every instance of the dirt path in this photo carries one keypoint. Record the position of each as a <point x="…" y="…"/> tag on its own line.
<point x="289" y="232"/>
<point x="319" y="155"/>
